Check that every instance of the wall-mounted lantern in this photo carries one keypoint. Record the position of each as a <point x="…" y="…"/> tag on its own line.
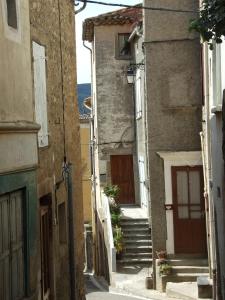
<point x="131" y="72"/>
<point x="130" y="75"/>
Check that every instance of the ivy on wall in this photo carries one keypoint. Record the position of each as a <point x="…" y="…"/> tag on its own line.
<point x="211" y="21"/>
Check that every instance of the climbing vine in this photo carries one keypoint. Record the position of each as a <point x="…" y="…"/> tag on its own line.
<point x="211" y="21"/>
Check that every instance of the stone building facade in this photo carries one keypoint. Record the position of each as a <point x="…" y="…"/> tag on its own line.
<point x="19" y="230"/>
<point x="113" y="134"/>
<point x="54" y="65"/>
<point x="213" y="157"/>
<point x="173" y="89"/>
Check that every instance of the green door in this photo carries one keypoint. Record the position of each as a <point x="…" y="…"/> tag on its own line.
<point x="11" y="246"/>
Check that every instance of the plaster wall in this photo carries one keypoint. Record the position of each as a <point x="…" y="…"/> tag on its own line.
<point x="214" y="161"/>
<point x="140" y="125"/>
<point x="15" y="60"/>
<point x="86" y="169"/>
<point x="18" y="133"/>
<point x="52" y="26"/>
<point x="173" y="90"/>
<point x="114" y="102"/>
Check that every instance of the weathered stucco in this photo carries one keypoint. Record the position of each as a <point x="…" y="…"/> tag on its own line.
<point x="52" y="25"/>
<point x="86" y="168"/>
<point x="114" y="103"/>
<point x="173" y="96"/>
<point x="15" y="59"/>
<point x="18" y="139"/>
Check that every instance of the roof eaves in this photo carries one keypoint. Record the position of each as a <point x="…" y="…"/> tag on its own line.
<point x="120" y="17"/>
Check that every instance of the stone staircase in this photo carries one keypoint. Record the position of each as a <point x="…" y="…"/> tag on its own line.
<point x="137" y="240"/>
<point x="188" y="269"/>
<point x="184" y="270"/>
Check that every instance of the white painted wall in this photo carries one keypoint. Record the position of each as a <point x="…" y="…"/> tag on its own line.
<point x="214" y="84"/>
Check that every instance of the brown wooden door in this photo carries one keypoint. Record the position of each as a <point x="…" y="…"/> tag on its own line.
<point x="45" y="254"/>
<point x="122" y="175"/>
<point x="189" y="210"/>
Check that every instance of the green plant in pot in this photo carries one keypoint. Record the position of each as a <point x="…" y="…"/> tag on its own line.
<point x="165" y="268"/>
<point x="118" y="241"/>
<point x="115" y="219"/>
<point x="111" y="191"/>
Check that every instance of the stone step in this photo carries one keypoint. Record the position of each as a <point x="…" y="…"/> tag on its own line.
<point x="135" y="261"/>
<point x="136" y="237"/>
<point x="188" y="262"/>
<point x="137" y="243"/>
<point x="138" y="220"/>
<point x="136" y="230"/>
<point x="139" y="255"/>
<point x="189" y="269"/>
<point x="184" y="290"/>
<point x="138" y="249"/>
<point x="184" y="277"/>
<point x="134" y="223"/>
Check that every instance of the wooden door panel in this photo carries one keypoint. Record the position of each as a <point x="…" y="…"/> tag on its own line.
<point x="45" y="254"/>
<point x="189" y="210"/>
<point x="11" y="246"/>
<point x="122" y="175"/>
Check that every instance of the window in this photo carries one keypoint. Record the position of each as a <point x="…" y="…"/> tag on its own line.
<point x="123" y="48"/>
<point x="189" y="194"/>
<point x="12" y="275"/>
<point x="138" y="94"/>
<point x="12" y="13"/>
<point x="40" y="93"/>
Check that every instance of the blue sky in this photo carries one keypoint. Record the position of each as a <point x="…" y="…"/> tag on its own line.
<point x="83" y="55"/>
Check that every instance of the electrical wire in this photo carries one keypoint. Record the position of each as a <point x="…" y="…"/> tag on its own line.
<point x="138" y="6"/>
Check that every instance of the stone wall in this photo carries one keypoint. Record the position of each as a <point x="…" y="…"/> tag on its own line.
<point x="173" y="96"/>
<point x="52" y="25"/>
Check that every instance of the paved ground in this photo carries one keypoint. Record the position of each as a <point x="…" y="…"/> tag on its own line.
<point x="109" y="296"/>
<point x="93" y="293"/>
<point x="128" y="284"/>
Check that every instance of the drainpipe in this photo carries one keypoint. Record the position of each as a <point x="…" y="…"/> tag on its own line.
<point x="71" y="221"/>
<point x="92" y="127"/>
<point x="93" y="173"/>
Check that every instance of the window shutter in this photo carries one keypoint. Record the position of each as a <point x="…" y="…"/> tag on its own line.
<point x="223" y="65"/>
<point x="138" y="100"/>
<point x="143" y="189"/>
<point x="40" y="94"/>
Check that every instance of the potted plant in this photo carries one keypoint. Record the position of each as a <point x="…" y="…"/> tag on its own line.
<point x="165" y="269"/>
<point x="118" y="241"/>
<point x="115" y="219"/>
<point x="112" y="192"/>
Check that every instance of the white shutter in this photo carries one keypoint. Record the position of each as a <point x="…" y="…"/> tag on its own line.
<point x="223" y="65"/>
<point x="138" y="93"/>
<point x="40" y="94"/>
<point x="142" y="177"/>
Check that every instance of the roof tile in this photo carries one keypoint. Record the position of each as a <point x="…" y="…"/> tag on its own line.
<point x="119" y="17"/>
